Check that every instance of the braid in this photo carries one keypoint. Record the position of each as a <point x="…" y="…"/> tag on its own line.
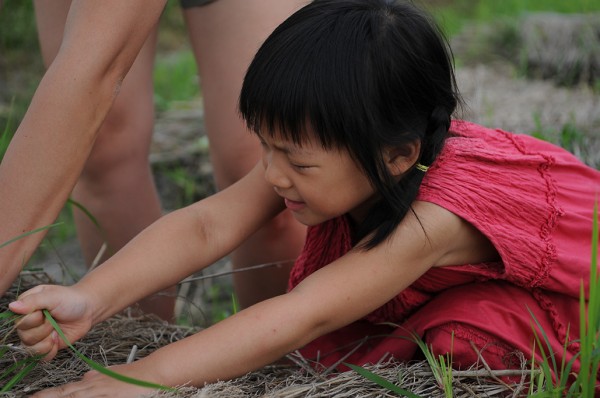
<point x="385" y="216"/>
<point x="437" y="130"/>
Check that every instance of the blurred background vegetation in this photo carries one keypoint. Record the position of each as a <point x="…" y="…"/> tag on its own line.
<point x="175" y="74"/>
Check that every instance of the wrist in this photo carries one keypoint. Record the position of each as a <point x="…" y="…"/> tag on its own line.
<point x="95" y="309"/>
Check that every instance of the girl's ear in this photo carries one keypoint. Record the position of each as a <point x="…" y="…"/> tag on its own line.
<point x="400" y="159"/>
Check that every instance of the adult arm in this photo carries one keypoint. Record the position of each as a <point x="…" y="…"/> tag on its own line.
<point x="52" y="143"/>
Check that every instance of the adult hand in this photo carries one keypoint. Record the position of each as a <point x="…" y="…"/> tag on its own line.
<point x="69" y="307"/>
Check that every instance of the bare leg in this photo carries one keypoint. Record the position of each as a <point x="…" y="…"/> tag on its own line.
<point x="116" y="185"/>
<point x="225" y="36"/>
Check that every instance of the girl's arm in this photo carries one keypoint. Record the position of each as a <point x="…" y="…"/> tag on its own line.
<point x="46" y="155"/>
<point x="172" y="248"/>
<point x="182" y="243"/>
<point x="338" y="294"/>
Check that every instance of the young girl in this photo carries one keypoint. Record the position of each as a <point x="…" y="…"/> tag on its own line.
<point x="446" y="229"/>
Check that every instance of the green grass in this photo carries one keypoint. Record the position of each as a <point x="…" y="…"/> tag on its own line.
<point x="175" y="80"/>
<point x="6" y="134"/>
<point x="18" y="40"/>
<point x="453" y="15"/>
<point x="441" y="367"/>
<point x="590" y="325"/>
<point x="568" y="136"/>
<point x="14" y="373"/>
<point x="182" y="178"/>
<point x="381" y="381"/>
<point x="17" y="27"/>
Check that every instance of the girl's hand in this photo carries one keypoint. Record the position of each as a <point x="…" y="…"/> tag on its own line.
<point x="67" y="305"/>
<point x="95" y="384"/>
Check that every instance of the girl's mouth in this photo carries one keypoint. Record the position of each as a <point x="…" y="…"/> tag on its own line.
<point x="293" y="205"/>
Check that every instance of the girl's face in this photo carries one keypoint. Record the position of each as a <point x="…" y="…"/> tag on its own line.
<point x="316" y="184"/>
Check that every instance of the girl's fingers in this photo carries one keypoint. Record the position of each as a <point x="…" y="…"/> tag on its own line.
<point x="37" y="298"/>
<point x="69" y="390"/>
<point x="34" y="335"/>
<point x="47" y="347"/>
<point x="30" y="321"/>
<point x="19" y="307"/>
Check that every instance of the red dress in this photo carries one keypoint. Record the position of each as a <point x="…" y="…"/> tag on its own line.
<point x="534" y="201"/>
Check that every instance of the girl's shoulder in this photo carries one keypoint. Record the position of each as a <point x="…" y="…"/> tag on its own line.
<point x="521" y="192"/>
<point x="471" y="139"/>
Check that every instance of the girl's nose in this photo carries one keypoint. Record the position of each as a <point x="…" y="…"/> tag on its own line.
<point x="274" y="174"/>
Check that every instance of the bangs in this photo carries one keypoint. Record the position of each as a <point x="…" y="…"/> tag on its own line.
<point x="361" y="75"/>
<point x="310" y="79"/>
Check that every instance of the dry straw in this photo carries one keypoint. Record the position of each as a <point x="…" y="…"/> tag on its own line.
<point x="112" y="342"/>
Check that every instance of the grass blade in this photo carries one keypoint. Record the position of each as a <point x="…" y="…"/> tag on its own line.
<point x="6" y="315"/>
<point x="590" y="323"/>
<point x="98" y="367"/>
<point x="85" y="211"/>
<point x="381" y="381"/>
<point x="6" y="136"/>
<point x="35" y="231"/>
<point x="30" y="364"/>
<point x="11" y="369"/>
<point x="436" y="370"/>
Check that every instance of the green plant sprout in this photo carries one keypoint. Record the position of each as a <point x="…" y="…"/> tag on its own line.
<point x="441" y="367"/>
<point x="381" y="381"/>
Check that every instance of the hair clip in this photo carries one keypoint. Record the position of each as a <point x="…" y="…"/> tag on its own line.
<point x="421" y="167"/>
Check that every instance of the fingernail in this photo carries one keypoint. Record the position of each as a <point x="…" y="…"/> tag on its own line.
<point x="16" y="306"/>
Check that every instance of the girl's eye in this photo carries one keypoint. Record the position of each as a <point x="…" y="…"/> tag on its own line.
<point x="300" y="166"/>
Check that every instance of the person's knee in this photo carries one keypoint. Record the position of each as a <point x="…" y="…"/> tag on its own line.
<point x="469" y="345"/>
<point x="121" y="149"/>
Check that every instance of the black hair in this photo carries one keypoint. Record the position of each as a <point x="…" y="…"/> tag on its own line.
<point x="363" y="75"/>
